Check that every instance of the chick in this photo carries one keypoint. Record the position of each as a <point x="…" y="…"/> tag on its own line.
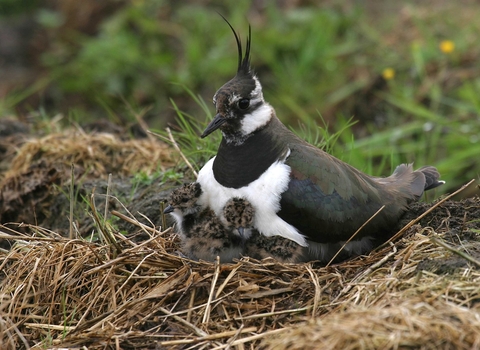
<point x="239" y="214"/>
<point x="204" y="236"/>
<point x="184" y="207"/>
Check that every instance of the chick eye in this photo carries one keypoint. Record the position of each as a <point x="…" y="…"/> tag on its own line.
<point x="244" y="103"/>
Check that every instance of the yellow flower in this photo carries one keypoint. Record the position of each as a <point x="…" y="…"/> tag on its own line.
<point x="447" y="46"/>
<point x="388" y="73"/>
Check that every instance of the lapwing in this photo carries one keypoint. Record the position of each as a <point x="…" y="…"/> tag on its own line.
<point x="203" y="234"/>
<point x="239" y="213"/>
<point x="299" y="191"/>
<point x="184" y="207"/>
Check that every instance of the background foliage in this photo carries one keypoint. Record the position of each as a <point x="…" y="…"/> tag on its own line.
<point x="377" y="83"/>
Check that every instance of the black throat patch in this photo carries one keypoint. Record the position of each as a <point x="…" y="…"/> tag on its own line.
<point x="238" y="165"/>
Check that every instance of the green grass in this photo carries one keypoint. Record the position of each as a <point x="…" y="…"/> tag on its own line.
<point x="321" y="68"/>
<point x="141" y="179"/>
<point x="187" y="133"/>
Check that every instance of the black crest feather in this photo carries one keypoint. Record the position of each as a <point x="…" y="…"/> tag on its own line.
<point x="243" y="61"/>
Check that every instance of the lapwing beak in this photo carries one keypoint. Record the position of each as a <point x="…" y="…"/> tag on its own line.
<point x="168" y="209"/>
<point x="241" y="231"/>
<point x="214" y="125"/>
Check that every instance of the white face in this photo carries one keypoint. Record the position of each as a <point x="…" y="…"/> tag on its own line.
<point x="260" y="115"/>
<point x="178" y="216"/>
<point x="240" y="121"/>
<point x="257" y="119"/>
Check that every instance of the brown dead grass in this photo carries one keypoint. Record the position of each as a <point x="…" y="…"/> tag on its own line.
<point x="96" y="155"/>
<point x="43" y="164"/>
<point x="72" y="293"/>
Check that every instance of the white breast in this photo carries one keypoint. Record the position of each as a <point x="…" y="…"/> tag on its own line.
<point x="264" y="194"/>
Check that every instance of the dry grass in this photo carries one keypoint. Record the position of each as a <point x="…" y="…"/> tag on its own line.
<point x="72" y="293"/>
<point x="96" y="155"/>
<point x="40" y="165"/>
<point x="416" y="322"/>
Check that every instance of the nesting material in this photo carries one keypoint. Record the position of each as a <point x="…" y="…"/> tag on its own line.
<point x="417" y="322"/>
<point x="71" y="293"/>
<point x="421" y="291"/>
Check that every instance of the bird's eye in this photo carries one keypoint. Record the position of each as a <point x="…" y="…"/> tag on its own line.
<point x="244" y="103"/>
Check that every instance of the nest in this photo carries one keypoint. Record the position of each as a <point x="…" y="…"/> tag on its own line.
<point x="122" y="292"/>
<point x="59" y="292"/>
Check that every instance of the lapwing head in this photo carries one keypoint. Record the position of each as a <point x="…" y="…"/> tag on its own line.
<point x="239" y="213"/>
<point x="184" y="200"/>
<point x="240" y="107"/>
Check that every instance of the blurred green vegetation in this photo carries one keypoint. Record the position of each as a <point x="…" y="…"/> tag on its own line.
<point x="406" y="72"/>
